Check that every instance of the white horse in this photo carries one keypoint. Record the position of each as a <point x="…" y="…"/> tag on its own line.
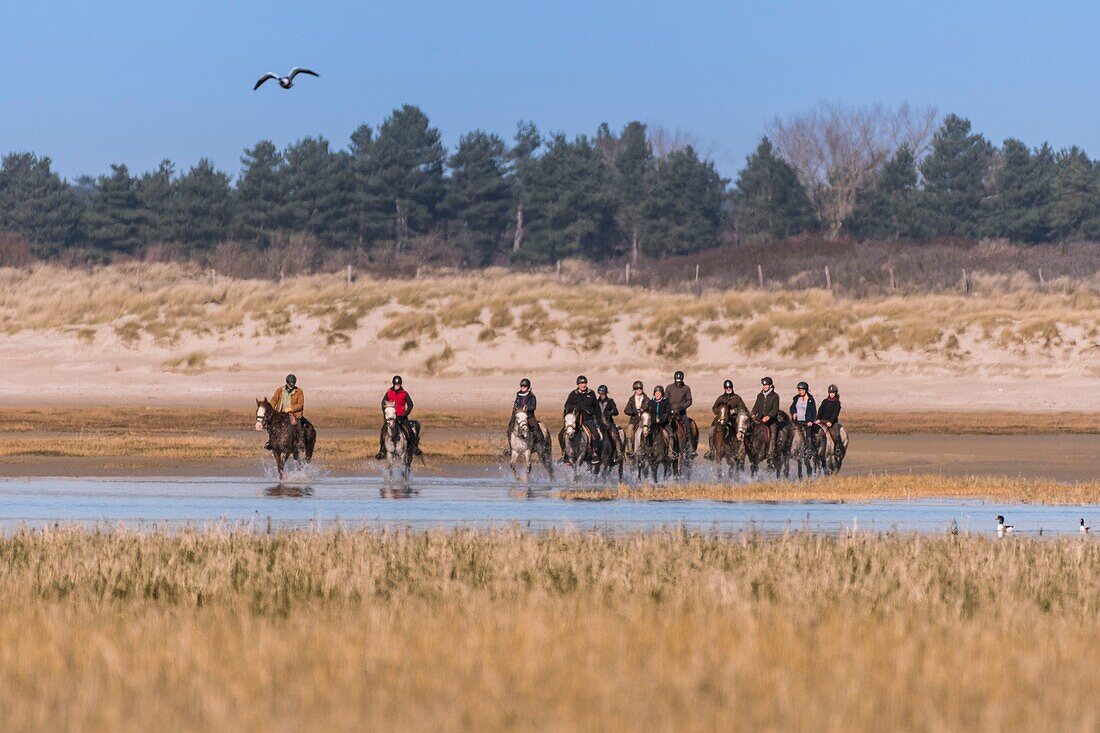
<point x="575" y="443"/>
<point x="526" y="439"/>
<point x="398" y="455"/>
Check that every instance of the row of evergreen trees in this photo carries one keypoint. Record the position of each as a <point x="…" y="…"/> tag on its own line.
<point x="538" y="199"/>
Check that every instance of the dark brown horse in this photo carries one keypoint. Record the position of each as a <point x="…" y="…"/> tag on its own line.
<point x="283" y="437"/>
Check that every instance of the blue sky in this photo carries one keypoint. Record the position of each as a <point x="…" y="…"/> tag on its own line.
<point x="134" y="82"/>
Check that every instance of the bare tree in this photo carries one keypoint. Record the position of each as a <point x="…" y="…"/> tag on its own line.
<point x="837" y="151"/>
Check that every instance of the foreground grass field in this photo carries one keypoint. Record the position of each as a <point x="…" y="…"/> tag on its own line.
<point x="494" y="630"/>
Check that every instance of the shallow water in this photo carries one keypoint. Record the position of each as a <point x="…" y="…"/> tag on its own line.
<point x="447" y="502"/>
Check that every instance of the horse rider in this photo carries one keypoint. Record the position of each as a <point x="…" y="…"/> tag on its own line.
<point x="527" y="402"/>
<point x="828" y="416"/>
<point x="766" y="411"/>
<point x="402" y="405"/>
<point x="636" y="406"/>
<point x="679" y="398"/>
<point x="730" y="400"/>
<point x="661" y="410"/>
<point x="804" y="406"/>
<point x="290" y="398"/>
<point x="608" y="411"/>
<point x="584" y="402"/>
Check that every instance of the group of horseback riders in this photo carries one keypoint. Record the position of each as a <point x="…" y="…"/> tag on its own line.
<point x="668" y="408"/>
<point x="290" y="399"/>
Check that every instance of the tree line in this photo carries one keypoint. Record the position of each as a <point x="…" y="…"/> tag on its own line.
<point x="864" y="173"/>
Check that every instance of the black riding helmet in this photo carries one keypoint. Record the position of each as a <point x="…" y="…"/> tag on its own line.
<point x="678" y="377"/>
<point x="638" y="385"/>
<point x="767" y="380"/>
<point x="803" y="385"/>
<point x="833" y="389"/>
<point x="727" y="384"/>
<point x="396" y="380"/>
<point x="291" y="380"/>
<point x="660" y="389"/>
<point x="525" y="382"/>
<point x="582" y="379"/>
<point x="602" y="389"/>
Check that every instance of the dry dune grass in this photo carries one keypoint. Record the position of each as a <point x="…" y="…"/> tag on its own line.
<point x="900" y="487"/>
<point x="162" y="302"/>
<point x="505" y="630"/>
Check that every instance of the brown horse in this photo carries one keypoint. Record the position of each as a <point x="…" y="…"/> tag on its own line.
<point x="283" y="437"/>
<point x="727" y="442"/>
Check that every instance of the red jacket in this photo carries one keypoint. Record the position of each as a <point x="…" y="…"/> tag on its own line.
<point x="402" y="403"/>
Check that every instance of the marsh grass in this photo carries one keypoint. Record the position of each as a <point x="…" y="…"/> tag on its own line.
<point x="503" y="630"/>
<point x="842" y="488"/>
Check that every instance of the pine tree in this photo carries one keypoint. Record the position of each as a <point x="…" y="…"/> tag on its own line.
<point x="683" y="210"/>
<point x="955" y="175"/>
<point x="479" y="197"/>
<point x="1075" y="196"/>
<point x="890" y="209"/>
<point x="768" y="199"/>
<point x="635" y="171"/>
<point x="261" y="194"/>
<point x="114" y="217"/>
<point x="157" y="193"/>
<point x="1018" y="207"/>
<point x="572" y="211"/>
<point x="321" y="192"/>
<point x="203" y="206"/>
<point x="371" y="208"/>
<point x="521" y="160"/>
<point x="407" y="172"/>
<point x="37" y="203"/>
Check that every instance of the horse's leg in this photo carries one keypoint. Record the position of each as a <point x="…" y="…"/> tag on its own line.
<point x="279" y="462"/>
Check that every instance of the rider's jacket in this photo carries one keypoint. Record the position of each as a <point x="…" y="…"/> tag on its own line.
<point x="766" y="404"/>
<point x="829" y="411"/>
<point x="811" y="409"/>
<point x="661" y="410"/>
<point x="402" y="403"/>
<point x="678" y="396"/>
<point x="608" y="410"/>
<point x="585" y="402"/>
<point x="526" y="401"/>
<point x="297" y="401"/>
<point x="733" y="401"/>
<point x="635" y="406"/>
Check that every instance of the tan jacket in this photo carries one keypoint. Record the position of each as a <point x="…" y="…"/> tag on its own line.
<point x="297" y="401"/>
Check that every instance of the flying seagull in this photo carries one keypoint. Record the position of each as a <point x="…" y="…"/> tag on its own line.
<point x="286" y="82"/>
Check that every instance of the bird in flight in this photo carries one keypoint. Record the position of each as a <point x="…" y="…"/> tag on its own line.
<point x="286" y="82"/>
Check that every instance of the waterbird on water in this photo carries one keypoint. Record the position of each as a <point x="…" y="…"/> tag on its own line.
<point x="1083" y="529"/>
<point x="1002" y="528"/>
<point x="286" y="82"/>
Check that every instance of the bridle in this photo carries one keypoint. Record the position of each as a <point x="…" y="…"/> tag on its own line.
<point x="263" y="417"/>
<point x="522" y="427"/>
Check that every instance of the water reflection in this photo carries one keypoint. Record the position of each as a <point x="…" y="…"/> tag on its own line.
<point x="288" y="491"/>
<point x="397" y="492"/>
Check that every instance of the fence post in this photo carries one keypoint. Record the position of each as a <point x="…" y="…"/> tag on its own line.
<point x="349" y="275"/>
<point x="627" y="273"/>
<point x="892" y="285"/>
<point x="213" y="275"/>
<point x="966" y="282"/>
<point x="559" y="269"/>
<point x="828" y="280"/>
<point x="1042" y="282"/>
<point x="760" y="275"/>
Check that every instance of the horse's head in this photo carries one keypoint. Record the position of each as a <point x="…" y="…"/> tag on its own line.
<point x="570" y="424"/>
<point x="646" y="423"/>
<point x="723" y="414"/>
<point x="743" y="422"/>
<point x="522" y="425"/>
<point x="263" y="414"/>
<point x="389" y="410"/>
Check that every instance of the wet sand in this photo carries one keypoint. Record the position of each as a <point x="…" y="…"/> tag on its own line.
<point x="1065" y="458"/>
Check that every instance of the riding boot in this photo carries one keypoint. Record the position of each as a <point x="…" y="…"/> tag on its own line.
<point x="267" y="445"/>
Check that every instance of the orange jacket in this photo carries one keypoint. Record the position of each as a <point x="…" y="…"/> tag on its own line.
<point x="297" y="401"/>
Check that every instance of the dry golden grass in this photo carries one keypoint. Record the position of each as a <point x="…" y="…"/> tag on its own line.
<point x="504" y="630"/>
<point x="161" y="302"/>
<point x="842" y="488"/>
